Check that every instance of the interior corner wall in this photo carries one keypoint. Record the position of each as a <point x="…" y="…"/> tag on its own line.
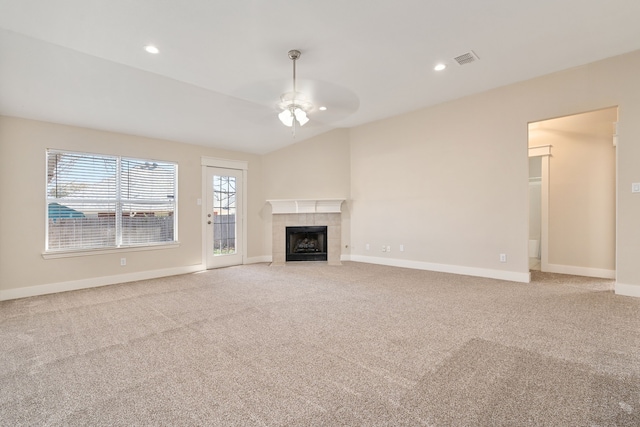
<point x="450" y="183"/>
<point x="317" y="168"/>
<point x="23" y="271"/>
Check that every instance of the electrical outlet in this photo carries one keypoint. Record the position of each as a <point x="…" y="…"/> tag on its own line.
<point x="384" y="248"/>
<point x="388" y="248"/>
<point x="503" y="257"/>
<point x="401" y="248"/>
<point x="367" y="247"/>
<point x="123" y="261"/>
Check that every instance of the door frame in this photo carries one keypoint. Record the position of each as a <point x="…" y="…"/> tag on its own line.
<point x="240" y="165"/>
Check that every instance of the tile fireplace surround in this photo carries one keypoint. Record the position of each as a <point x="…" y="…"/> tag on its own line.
<point x="300" y="213"/>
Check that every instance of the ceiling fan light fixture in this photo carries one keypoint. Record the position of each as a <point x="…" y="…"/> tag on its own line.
<point x="292" y="113"/>
<point x="286" y="117"/>
<point x="294" y="105"/>
<point x="301" y="116"/>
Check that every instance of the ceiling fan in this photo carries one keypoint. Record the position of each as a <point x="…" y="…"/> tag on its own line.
<point x="294" y="105"/>
<point x="311" y="103"/>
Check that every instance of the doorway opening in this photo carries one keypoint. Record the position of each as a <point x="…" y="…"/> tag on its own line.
<point x="572" y="194"/>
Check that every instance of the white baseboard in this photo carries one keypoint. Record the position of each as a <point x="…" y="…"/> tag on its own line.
<point x="627" y="290"/>
<point x="74" y="285"/>
<point x="580" y="271"/>
<point x="258" y="259"/>
<point x="512" y="276"/>
<point x="345" y="257"/>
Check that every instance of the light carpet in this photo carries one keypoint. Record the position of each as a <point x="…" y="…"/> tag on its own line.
<point x="309" y="344"/>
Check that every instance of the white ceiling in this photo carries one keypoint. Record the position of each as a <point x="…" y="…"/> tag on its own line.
<point x="223" y="64"/>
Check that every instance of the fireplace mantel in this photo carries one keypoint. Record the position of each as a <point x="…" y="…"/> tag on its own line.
<point x="294" y="206"/>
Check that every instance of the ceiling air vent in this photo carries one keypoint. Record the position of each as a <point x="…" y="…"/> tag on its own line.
<point x="466" y="58"/>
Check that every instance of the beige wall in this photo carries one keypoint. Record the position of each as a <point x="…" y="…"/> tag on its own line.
<point x="22" y="186"/>
<point x="446" y="185"/>
<point x="450" y="182"/>
<point x="313" y="169"/>
<point x="582" y="185"/>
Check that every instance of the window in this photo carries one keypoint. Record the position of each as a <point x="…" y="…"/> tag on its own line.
<point x="224" y="215"/>
<point x="98" y="202"/>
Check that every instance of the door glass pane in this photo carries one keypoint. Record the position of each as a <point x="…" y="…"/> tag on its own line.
<point x="224" y="215"/>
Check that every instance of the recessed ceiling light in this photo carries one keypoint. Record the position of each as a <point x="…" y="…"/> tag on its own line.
<point x="440" y="67"/>
<point x="151" y="49"/>
<point x="322" y="108"/>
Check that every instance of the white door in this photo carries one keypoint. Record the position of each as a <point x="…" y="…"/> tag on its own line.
<point x="224" y="217"/>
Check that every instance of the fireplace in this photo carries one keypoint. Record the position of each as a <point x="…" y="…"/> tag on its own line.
<point x="325" y="213"/>
<point x="308" y="243"/>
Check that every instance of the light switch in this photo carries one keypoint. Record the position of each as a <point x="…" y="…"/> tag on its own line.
<point x="635" y="187"/>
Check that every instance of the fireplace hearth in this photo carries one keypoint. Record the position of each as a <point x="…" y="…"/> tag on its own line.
<point x="307" y="243"/>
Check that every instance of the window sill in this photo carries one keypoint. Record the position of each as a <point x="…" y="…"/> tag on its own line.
<point x="90" y="252"/>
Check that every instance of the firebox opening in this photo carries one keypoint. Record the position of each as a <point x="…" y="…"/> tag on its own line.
<point x="306" y="243"/>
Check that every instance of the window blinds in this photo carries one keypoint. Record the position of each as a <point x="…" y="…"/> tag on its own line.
<point x="97" y="201"/>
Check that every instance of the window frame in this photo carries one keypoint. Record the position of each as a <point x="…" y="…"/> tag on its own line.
<point x="120" y="202"/>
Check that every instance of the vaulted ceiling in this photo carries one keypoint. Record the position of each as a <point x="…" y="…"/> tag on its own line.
<point x="223" y="65"/>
